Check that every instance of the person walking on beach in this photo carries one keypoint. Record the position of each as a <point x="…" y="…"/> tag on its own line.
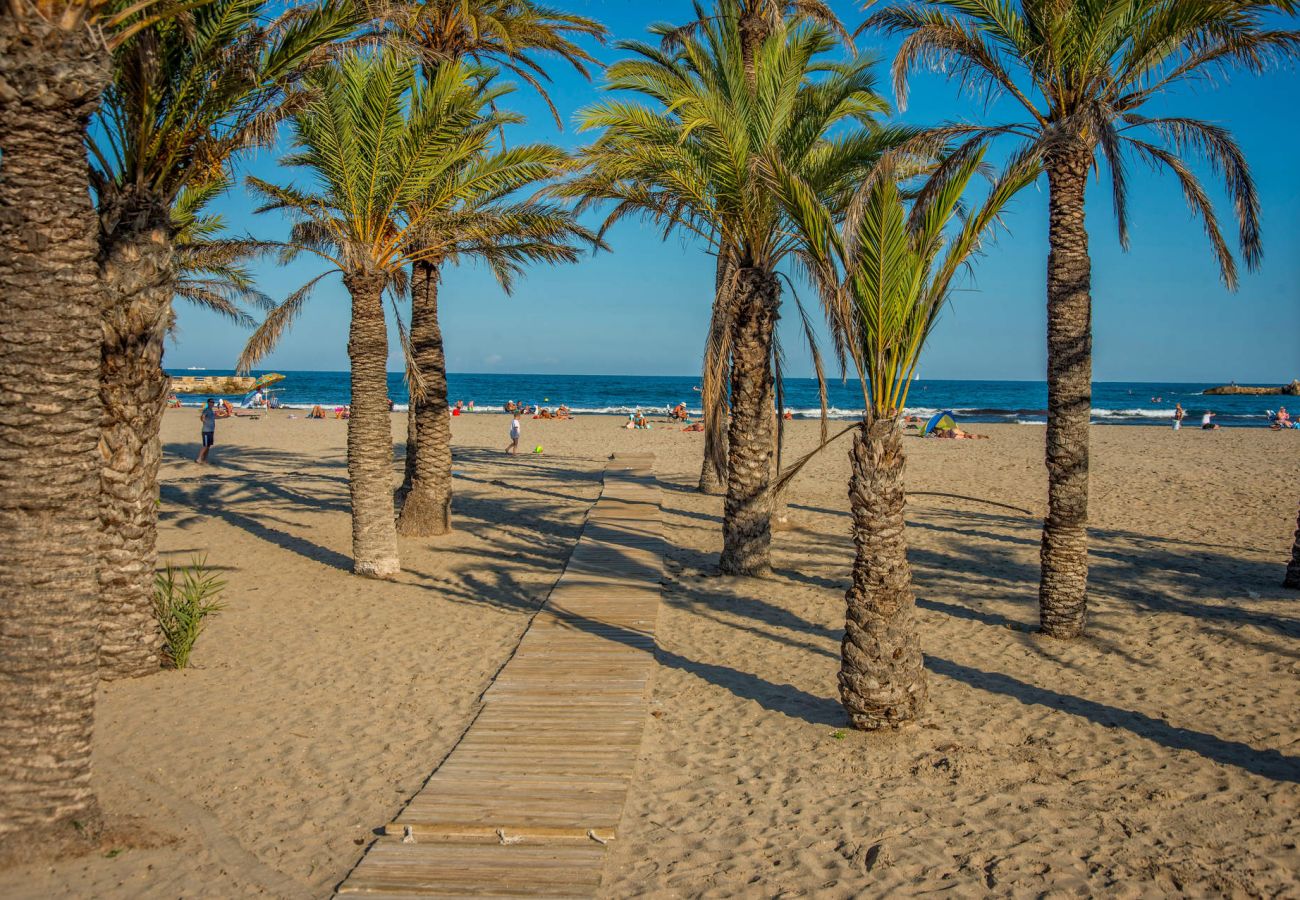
<point x="514" y="436"/>
<point x="1179" y="415"/>
<point x="208" y="416"/>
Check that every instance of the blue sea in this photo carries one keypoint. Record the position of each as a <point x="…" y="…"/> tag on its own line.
<point x="1025" y="402"/>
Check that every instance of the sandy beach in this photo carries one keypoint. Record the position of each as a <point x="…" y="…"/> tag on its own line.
<point x="1159" y="756"/>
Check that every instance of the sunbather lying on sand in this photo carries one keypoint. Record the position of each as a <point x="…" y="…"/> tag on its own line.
<point x="957" y="434"/>
<point x="698" y="426"/>
<point x="316" y="412"/>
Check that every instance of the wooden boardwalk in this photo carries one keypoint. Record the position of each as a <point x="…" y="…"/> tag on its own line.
<point x="527" y="800"/>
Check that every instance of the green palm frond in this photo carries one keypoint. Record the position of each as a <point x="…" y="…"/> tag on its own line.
<point x="515" y="35"/>
<point x="190" y="91"/>
<point x="212" y="271"/>
<point x="1082" y="71"/>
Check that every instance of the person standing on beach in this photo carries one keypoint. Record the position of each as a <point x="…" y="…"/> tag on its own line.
<point x="514" y="436"/>
<point x="208" y="416"/>
<point x="1179" y="415"/>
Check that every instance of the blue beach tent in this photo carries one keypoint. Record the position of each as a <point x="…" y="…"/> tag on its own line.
<point x="939" y="420"/>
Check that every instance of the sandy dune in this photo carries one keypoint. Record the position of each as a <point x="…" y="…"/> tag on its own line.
<point x="1162" y="755"/>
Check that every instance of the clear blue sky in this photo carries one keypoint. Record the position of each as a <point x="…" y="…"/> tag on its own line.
<point x="1160" y="310"/>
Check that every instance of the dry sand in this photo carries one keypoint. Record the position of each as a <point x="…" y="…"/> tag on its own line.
<point x="1160" y="756"/>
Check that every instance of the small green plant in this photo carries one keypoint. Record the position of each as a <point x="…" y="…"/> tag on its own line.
<point x="182" y="598"/>
<point x="838" y="734"/>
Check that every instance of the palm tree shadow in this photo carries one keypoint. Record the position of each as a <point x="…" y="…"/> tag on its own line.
<point x="1271" y="764"/>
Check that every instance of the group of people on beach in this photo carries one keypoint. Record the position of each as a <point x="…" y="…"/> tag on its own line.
<point x="1207" y="419"/>
<point x="1281" y="420"/>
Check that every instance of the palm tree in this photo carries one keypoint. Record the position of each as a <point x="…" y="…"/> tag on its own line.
<point x="54" y="63"/>
<point x="699" y="157"/>
<point x="898" y="261"/>
<point x="391" y="151"/>
<point x="1082" y="73"/>
<point x="468" y="213"/>
<point x="187" y="94"/>
<point x="512" y="34"/>
<point x="758" y="19"/>
<point x="1293" y="567"/>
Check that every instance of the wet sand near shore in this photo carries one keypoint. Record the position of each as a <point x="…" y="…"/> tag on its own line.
<point x="1159" y="756"/>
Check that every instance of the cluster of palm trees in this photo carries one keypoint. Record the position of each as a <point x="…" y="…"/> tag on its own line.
<point x="754" y="127"/>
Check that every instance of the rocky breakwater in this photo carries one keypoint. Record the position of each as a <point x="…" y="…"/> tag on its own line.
<point x="1292" y="389"/>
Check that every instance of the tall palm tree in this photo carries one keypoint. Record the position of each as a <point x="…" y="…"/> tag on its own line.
<point x="515" y="35"/>
<point x="471" y="212"/>
<point x="699" y="157"/>
<point x="187" y="94"/>
<point x="54" y="63"/>
<point x="403" y="179"/>
<point x="1293" y="567"/>
<point x="1081" y="73"/>
<point x="898" y="260"/>
<point x="758" y="19"/>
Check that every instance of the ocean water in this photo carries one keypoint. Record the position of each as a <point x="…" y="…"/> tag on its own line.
<point x="1025" y="402"/>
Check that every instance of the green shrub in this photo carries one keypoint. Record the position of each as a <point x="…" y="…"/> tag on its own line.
<point x="182" y="599"/>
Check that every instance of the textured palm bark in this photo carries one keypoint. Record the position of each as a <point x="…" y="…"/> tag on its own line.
<point x="713" y="470"/>
<point x="711" y="482"/>
<point x="426" y="507"/>
<point x="1063" y="589"/>
<point x="747" y="511"/>
<point x="370" y="434"/>
<point x="50" y="82"/>
<point x="882" y="671"/>
<point x="138" y="280"/>
<point x="1293" y="567"/>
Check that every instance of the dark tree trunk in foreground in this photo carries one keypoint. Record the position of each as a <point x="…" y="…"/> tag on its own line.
<point x="426" y="508"/>
<point x="882" y="672"/>
<point x="1293" y="567"/>
<point x="50" y="81"/>
<point x="747" y="512"/>
<point x="713" y="388"/>
<point x="1063" y="590"/>
<point x="138" y="281"/>
<point x="370" y="434"/>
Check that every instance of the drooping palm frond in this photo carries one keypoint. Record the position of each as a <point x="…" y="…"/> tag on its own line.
<point x="212" y="271"/>
<point x="1082" y="71"/>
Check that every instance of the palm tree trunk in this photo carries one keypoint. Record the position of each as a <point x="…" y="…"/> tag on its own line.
<point x="1293" y="567"/>
<point x="747" y="512"/>
<point x="1063" y="590"/>
<point x="50" y="81"/>
<point x="370" y="435"/>
<point x="882" y="671"/>
<point x="426" y="509"/>
<point x="713" y="388"/>
<point x="138" y="280"/>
